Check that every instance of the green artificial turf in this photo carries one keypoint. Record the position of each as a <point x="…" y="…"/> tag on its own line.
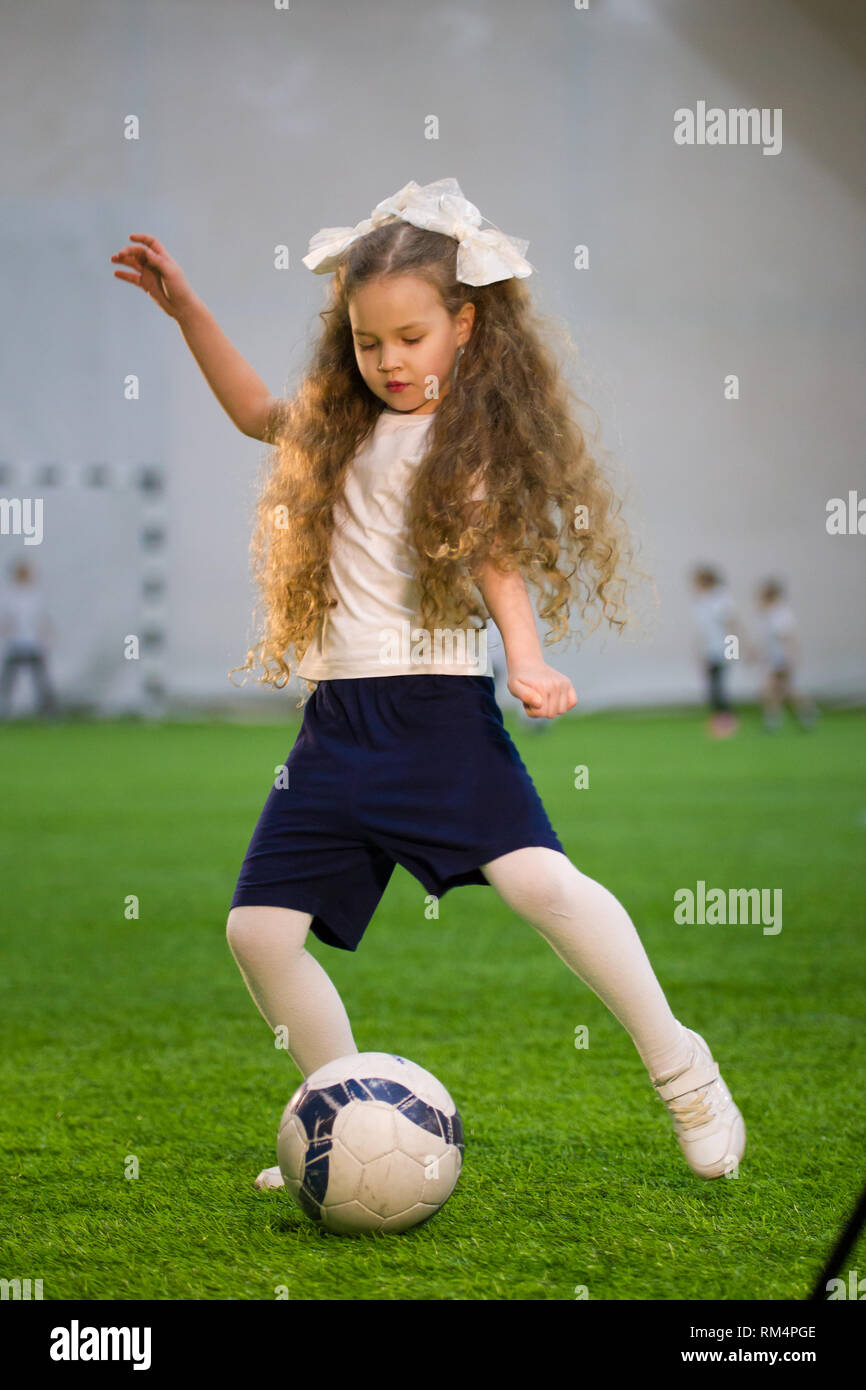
<point x="127" y="1037"/>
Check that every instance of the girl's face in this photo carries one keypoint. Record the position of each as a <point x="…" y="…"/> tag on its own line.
<point x="402" y="332"/>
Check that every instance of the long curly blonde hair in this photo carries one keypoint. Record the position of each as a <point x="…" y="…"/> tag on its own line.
<point x="507" y="421"/>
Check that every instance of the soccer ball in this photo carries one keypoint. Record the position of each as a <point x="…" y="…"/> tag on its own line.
<point x="370" y="1142"/>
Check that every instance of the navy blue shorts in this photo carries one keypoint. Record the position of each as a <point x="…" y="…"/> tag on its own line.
<point x="414" y="770"/>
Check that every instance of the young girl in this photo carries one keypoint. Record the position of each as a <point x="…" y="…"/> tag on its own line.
<point x="714" y="613"/>
<point x="428" y="457"/>
<point x="781" y="653"/>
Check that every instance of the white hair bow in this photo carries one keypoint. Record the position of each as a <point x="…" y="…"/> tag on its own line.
<point x="482" y="256"/>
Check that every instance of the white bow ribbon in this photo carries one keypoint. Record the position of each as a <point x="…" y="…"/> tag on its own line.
<point x="483" y="256"/>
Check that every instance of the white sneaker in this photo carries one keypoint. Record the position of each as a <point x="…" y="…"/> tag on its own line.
<point x="270" y="1177"/>
<point x="709" y="1127"/>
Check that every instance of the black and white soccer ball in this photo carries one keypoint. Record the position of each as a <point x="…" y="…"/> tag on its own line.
<point x="370" y="1142"/>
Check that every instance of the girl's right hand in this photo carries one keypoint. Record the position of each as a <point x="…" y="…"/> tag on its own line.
<point x="154" y="271"/>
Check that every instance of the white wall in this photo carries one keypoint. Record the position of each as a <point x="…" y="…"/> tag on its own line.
<point x="259" y="126"/>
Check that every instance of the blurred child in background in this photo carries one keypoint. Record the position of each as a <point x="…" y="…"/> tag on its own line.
<point x="780" y="655"/>
<point x="27" y="629"/>
<point x="714" y="613"/>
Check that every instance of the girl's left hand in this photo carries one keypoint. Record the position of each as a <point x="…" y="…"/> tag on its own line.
<point x="543" y="692"/>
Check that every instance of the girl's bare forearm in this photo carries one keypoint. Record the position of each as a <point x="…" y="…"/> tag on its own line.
<point x="240" y="391"/>
<point x="511" y="609"/>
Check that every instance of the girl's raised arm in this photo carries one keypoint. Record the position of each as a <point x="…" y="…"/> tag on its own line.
<point x="239" y="390"/>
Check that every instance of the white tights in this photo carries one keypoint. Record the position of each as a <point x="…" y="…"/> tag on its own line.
<point x="581" y="920"/>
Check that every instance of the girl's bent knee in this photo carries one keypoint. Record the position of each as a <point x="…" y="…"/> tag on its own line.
<point x="254" y="922"/>
<point x="241" y="920"/>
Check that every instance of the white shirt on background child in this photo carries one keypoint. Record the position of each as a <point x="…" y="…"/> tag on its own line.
<point x="714" y="612"/>
<point x="776" y="621"/>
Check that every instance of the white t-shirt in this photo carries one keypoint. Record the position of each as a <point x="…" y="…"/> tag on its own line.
<point x="714" y="610"/>
<point x="23" y="605"/>
<point x="373" y="566"/>
<point x="777" y="621"/>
